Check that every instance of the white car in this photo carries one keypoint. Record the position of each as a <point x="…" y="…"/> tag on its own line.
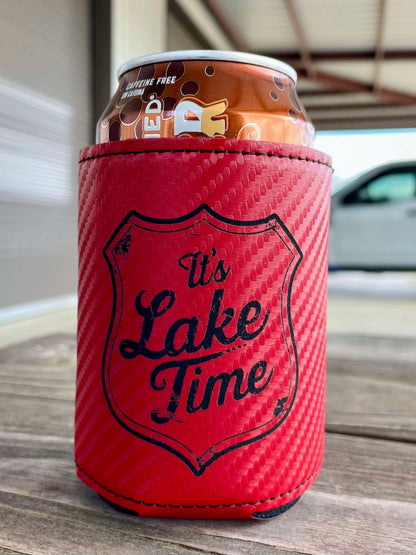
<point x="373" y="220"/>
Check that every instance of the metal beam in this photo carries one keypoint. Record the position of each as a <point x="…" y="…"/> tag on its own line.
<point x="340" y="99"/>
<point x="334" y="81"/>
<point x="305" y="54"/>
<point x="395" y="122"/>
<point x="382" y="112"/>
<point x="333" y="108"/>
<point x="307" y="60"/>
<point x="379" y="54"/>
<point x="101" y="59"/>
<point x="199" y="16"/>
<point x="352" y="85"/>
<point x="321" y="92"/>
<point x="293" y="58"/>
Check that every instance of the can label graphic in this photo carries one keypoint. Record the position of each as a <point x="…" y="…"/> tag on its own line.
<point x="196" y="335"/>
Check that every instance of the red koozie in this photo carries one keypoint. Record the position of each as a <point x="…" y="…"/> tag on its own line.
<point x="202" y="315"/>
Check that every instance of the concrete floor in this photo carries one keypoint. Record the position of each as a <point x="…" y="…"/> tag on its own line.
<point x="358" y="303"/>
<point x="372" y="303"/>
<point x="56" y="321"/>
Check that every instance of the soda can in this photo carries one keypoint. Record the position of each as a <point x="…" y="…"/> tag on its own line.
<point x="206" y="94"/>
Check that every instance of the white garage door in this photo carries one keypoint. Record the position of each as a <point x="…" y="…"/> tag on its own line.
<point x="44" y="120"/>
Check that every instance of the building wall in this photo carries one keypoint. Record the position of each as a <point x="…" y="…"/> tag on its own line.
<point x="47" y="89"/>
<point x="44" y="120"/>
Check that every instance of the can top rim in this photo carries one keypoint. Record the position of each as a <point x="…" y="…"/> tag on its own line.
<point x="218" y="55"/>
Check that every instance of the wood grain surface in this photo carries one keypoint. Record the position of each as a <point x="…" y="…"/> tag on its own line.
<point x="364" y="501"/>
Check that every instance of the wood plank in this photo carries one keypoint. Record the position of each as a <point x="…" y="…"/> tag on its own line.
<point x="40" y="391"/>
<point x="57" y="350"/>
<point x="371" y="386"/>
<point x="371" y="468"/>
<point x="364" y="501"/>
<point x="365" y="347"/>
<point x="374" y="395"/>
<point x="5" y="551"/>
<point x="28" y="446"/>
<point x="36" y="416"/>
<point x="370" y="406"/>
<point x="21" y="373"/>
<point x="398" y="372"/>
<point x="335" y="524"/>
<point x="322" y="524"/>
<point x="365" y="485"/>
<point x="36" y="526"/>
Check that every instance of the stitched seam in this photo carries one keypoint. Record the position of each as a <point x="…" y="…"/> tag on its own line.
<point x="197" y="506"/>
<point x="200" y="151"/>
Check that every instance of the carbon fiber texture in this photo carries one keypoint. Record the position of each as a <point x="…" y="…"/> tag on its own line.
<point x="201" y="381"/>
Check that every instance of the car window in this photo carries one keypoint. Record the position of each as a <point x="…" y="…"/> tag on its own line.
<point x="390" y="187"/>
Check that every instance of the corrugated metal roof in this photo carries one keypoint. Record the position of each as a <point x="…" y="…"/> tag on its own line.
<point x="400" y="25"/>
<point x="355" y="55"/>
<point x="337" y="25"/>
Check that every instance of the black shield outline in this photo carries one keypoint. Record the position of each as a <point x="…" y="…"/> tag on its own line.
<point x="198" y="464"/>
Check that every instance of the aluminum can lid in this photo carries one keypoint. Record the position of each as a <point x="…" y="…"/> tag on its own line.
<point x="219" y="55"/>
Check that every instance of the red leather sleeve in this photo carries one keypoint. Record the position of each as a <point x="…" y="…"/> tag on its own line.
<point x="202" y="314"/>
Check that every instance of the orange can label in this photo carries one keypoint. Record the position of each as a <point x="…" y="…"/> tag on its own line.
<point x="206" y="98"/>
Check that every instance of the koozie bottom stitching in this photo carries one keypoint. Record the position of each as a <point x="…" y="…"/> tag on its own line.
<point x="168" y="505"/>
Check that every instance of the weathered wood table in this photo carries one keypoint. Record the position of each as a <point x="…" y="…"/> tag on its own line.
<point x="364" y="501"/>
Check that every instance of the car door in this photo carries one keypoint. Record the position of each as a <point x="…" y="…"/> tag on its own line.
<point x="374" y="224"/>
